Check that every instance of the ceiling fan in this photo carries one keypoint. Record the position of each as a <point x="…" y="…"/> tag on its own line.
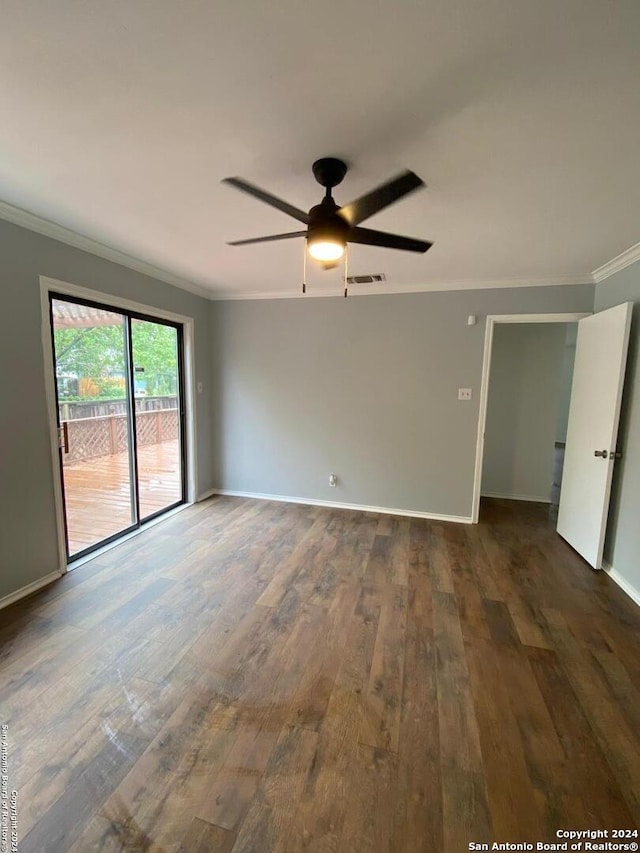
<point x="329" y="227"/>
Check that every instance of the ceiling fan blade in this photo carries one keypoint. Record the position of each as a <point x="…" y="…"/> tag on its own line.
<point x="269" y="199"/>
<point x="384" y="195"/>
<point x="268" y="239"/>
<point x="369" y="237"/>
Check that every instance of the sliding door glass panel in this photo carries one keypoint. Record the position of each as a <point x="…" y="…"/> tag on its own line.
<point x="158" y="424"/>
<point x="92" y="380"/>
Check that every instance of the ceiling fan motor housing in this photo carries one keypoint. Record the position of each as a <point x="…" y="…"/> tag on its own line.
<point x="325" y="223"/>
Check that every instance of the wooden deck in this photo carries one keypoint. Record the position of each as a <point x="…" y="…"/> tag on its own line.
<point x="98" y="497"/>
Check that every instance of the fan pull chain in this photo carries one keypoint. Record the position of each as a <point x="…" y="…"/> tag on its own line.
<point x="346" y="271"/>
<point x="304" y="267"/>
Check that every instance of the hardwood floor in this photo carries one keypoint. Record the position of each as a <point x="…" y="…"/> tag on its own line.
<point x="254" y="676"/>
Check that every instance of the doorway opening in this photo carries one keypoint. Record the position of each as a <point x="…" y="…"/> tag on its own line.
<point x="524" y="400"/>
<point x="592" y="430"/>
<point x="562" y="422"/>
<point x="119" y="395"/>
<point x="527" y="411"/>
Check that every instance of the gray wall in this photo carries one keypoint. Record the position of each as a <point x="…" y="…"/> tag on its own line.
<point x="27" y="515"/>
<point x="522" y="412"/>
<point x="362" y="387"/>
<point x="622" y="548"/>
<point x="294" y="390"/>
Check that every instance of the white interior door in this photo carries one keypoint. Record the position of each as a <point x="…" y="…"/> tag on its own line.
<point x="596" y="393"/>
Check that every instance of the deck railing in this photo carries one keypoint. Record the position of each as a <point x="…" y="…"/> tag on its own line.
<point x="76" y="410"/>
<point x="91" y="437"/>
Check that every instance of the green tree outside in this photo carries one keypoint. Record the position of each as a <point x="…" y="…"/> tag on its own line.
<point x="97" y="353"/>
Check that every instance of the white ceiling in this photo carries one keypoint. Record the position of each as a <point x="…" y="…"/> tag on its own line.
<point x="119" y="120"/>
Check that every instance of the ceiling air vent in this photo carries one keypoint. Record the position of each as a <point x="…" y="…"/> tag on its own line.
<point x="366" y="279"/>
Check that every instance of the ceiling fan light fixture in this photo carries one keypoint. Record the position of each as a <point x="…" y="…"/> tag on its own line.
<point x="331" y="228"/>
<point x="326" y="250"/>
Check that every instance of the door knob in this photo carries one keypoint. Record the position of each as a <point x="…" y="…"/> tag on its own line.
<point x="602" y="453"/>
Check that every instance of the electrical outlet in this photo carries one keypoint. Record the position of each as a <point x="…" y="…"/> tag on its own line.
<point x="464" y="393"/>
<point x="333" y="480"/>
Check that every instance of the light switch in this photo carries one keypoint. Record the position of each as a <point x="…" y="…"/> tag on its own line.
<point x="199" y="387"/>
<point x="464" y="393"/>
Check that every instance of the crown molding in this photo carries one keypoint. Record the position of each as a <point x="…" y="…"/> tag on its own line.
<point x="32" y="222"/>
<point x="391" y="289"/>
<point x="624" y="259"/>
<point x="47" y="228"/>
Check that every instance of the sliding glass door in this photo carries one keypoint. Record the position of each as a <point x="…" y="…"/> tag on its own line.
<point x="157" y="396"/>
<point x="120" y="416"/>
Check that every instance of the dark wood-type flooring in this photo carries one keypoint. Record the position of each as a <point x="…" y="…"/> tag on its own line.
<point x="255" y="676"/>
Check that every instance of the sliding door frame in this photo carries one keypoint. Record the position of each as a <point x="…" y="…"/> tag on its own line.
<point x="133" y="484"/>
<point x="181" y="417"/>
<point x="187" y="388"/>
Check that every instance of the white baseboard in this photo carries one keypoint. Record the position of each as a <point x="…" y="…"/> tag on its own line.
<point x="622" y="582"/>
<point x="532" y="498"/>
<point x="209" y="494"/>
<point x="29" y="589"/>
<point x="383" y="510"/>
